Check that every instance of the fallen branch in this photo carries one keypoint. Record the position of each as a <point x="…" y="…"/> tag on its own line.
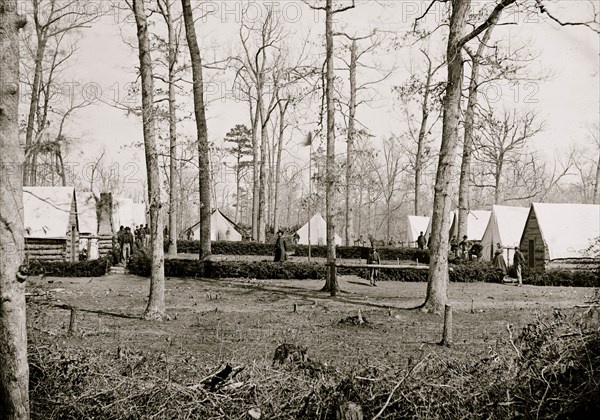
<point x="400" y="382"/>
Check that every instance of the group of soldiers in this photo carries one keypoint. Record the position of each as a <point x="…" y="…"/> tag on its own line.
<point x="127" y="240"/>
<point x="465" y="250"/>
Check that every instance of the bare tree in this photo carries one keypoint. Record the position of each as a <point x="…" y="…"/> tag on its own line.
<point x="202" y="133"/>
<point x="426" y="93"/>
<point x="156" y="301"/>
<point x="52" y="20"/>
<point x="438" y="271"/>
<point x="595" y="136"/>
<point x="369" y="45"/>
<point x="14" y="370"/>
<point x="262" y="55"/>
<point x="465" y="168"/>
<point x="331" y="285"/>
<point x="502" y="141"/>
<point x="388" y="177"/>
<point x="166" y="10"/>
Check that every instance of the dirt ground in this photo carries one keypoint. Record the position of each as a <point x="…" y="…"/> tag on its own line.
<point x="243" y="321"/>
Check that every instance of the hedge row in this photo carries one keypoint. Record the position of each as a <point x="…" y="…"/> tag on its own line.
<point x="360" y="252"/>
<point x="460" y="273"/>
<point x="556" y="277"/>
<point x="226" y="248"/>
<point x="346" y="252"/>
<point x="140" y="264"/>
<point x="90" y="268"/>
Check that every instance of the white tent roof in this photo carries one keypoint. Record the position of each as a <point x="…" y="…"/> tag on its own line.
<point x="219" y="226"/>
<point x="46" y="211"/>
<point x="477" y="221"/>
<point x="505" y="226"/>
<point x="415" y="225"/>
<point x="318" y="232"/>
<point x="567" y="229"/>
<point x="127" y="213"/>
<point x="86" y="212"/>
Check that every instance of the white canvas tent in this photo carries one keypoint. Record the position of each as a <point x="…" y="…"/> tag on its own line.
<point x="415" y="225"/>
<point x="47" y="212"/>
<point x="477" y="221"/>
<point x="127" y="213"/>
<point x="506" y="227"/>
<point x="221" y="228"/>
<point x="318" y="232"/>
<point x="88" y="223"/>
<point x="566" y="229"/>
<point x="86" y="212"/>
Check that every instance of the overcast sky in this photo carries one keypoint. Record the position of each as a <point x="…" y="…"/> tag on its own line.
<point x="569" y="101"/>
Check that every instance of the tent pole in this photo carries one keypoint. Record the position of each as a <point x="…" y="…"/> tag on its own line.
<point x="309" y="196"/>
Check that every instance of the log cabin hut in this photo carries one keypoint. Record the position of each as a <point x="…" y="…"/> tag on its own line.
<point x="51" y="224"/>
<point x="558" y="235"/>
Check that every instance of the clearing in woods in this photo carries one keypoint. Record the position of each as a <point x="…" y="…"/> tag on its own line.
<point x="243" y="321"/>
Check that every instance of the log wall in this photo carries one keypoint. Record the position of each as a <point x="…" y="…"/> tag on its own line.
<point x="532" y="232"/>
<point x="46" y="249"/>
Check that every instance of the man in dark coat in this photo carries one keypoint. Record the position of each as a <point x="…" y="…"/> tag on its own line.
<point x="454" y="246"/>
<point x="127" y="243"/>
<point x="280" y="249"/>
<point x="463" y="247"/>
<point x="120" y="235"/>
<point x="421" y="241"/>
<point x="519" y="262"/>
<point x="373" y="258"/>
<point x="499" y="261"/>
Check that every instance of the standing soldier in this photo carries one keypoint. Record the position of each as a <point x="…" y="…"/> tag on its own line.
<point x="421" y="242"/>
<point x="518" y="262"/>
<point x="454" y="246"/>
<point x="464" y="247"/>
<point x="280" y="254"/>
<point x="127" y="244"/>
<point x="373" y="259"/>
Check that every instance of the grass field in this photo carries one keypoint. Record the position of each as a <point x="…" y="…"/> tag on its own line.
<point x="242" y="322"/>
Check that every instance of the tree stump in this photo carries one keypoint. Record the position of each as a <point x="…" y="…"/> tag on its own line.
<point x="72" y="322"/>
<point x="447" y="335"/>
<point x="347" y="410"/>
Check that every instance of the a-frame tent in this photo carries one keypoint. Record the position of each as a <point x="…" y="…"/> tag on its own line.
<point x="505" y="227"/>
<point x="559" y="233"/>
<point x="318" y="232"/>
<point x="222" y="228"/>
<point x="477" y="221"/>
<point x="414" y="226"/>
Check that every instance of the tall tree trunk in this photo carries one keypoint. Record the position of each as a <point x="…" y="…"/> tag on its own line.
<point x="14" y="370"/>
<point x="465" y="168"/>
<point x="172" y="249"/>
<point x="421" y="138"/>
<point x="597" y="185"/>
<point x="348" y="228"/>
<point x="262" y="195"/>
<point x="61" y="164"/>
<point x="156" y="301"/>
<point x="331" y="284"/>
<point x="255" y="172"/>
<point x="29" y="166"/>
<point x="282" y="110"/>
<point x="200" y="113"/>
<point x="438" y="267"/>
<point x="238" y="179"/>
<point x="498" y="179"/>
